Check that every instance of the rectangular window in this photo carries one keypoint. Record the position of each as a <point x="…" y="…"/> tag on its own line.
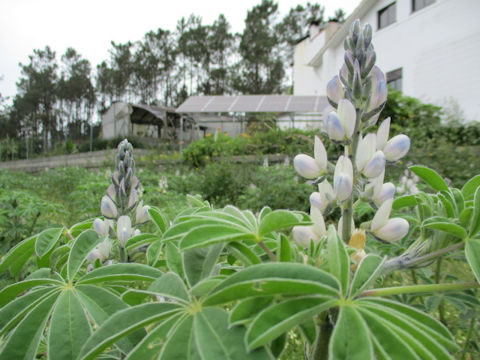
<point x="394" y="79"/>
<point x="420" y="4"/>
<point x="387" y="15"/>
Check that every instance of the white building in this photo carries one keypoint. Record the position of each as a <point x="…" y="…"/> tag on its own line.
<point x="429" y="49"/>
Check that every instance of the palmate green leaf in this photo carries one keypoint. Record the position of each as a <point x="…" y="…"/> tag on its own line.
<point x="284" y="250"/>
<point x="475" y="226"/>
<point x="82" y="246"/>
<point x="243" y="253"/>
<point x="121" y="272"/>
<point x="77" y="229"/>
<point x="445" y="225"/>
<point x="59" y="256"/>
<point x="471" y="187"/>
<point x="280" y="318"/>
<point x="10" y="292"/>
<point x="472" y="253"/>
<point x="158" y="219"/>
<point x="246" y="309"/>
<point x="465" y="217"/>
<point x="404" y="201"/>
<point x="277" y="220"/>
<point x="414" y="337"/>
<point x="277" y="346"/>
<point x="430" y="176"/>
<point x="205" y="286"/>
<point x="180" y="343"/>
<point x="274" y="278"/>
<point x="230" y="215"/>
<point x="69" y="328"/>
<point x="309" y="330"/>
<point x="367" y="272"/>
<point x="24" y="340"/>
<point x="47" y="240"/>
<point x="459" y="199"/>
<point x="170" y="285"/>
<point x="199" y="263"/>
<point x="151" y="345"/>
<point x="215" y="339"/>
<point x="213" y="234"/>
<point x="243" y="217"/>
<point x="15" y="310"/>
<point x="350" y="338"/>
<point x="18" y="255"/>
<point x="123" y="323"/>
<point x="139" y="240"/>
<point x="398" y="313"/>
<point x="450" y="209"/>
<point x="338" y="260"/>
<point x="153" y="252"/>
<point x="174" y="258"/>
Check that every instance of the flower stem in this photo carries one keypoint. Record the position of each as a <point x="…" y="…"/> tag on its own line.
<point x="123" y="254"/>
<point x="412" y="289"/>
<point x="469" y="335"/>
<point x="405" y="262"/>
<point x="320" y="347"/>
<point x="270" y="254"/>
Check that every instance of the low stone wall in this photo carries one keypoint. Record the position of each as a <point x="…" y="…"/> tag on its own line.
<point x="89" y="159"/>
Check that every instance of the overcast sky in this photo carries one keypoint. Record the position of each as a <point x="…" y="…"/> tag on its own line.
<point x="90" y="25"/>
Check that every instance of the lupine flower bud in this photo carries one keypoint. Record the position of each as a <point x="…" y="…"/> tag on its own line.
<point x="369" y="62"/>
<point x="394" y="230"/>
<point x="382" y="215"/>
<point x="111" y="192"/>
<point x="323" y="197"/>
<point x="357" y="80"/>
<point x="365" y="150"/>
<point x="105" y="248"/>
<point x="303" y="235"/>
<point x="318" y="222"/>
<point x="307" y="167"/>
<point x="94" y="255"/>
<point x="320" y="154"/>
<point x="334" y="128"/>
<point x="108" y="208"/>
<point x="382" y="133"/>
<point x="100" y="227"/>
<point x="124" y="229"/>
<point x="317" y="201"/>
<point x="141" y="214"/>
<point x="334" y="91"/>
<point x="348" y="117"/>
<point x="344" y="77"/>
<point x="367" y="35"/>
<point x="375" y="165"/>
<point x="397" y="147"/>
<point x="386" y="192"/>
<point x="343" y="179"/>
<point x="349" y="60"/>
<point x="132" y="199"/>
<point x="137" y="232"/>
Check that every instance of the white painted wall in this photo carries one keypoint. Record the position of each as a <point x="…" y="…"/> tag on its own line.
<point x="437" y="47"/>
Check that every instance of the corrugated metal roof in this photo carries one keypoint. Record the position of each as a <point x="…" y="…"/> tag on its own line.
<point x="253" y="103"/>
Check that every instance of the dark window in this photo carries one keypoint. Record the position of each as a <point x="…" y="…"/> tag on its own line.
<point x="387" y="16"/>
<point x="420" y="4"/>
<point x="394" y="79"/>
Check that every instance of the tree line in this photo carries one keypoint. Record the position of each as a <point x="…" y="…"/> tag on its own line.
<point x="57" y="97"/>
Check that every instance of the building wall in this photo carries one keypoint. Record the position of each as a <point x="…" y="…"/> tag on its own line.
<point x="121" y="127"/>
<point x="438" y="49"/>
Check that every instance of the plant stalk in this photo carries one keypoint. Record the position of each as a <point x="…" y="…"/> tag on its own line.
<point x="404" y="262"/>
<point x="469" y="335"/>
<point x="270" y="254"/>
<point x="412" y="289"/>
<point x="123" y="254"/>
<point x="320" y="348"/>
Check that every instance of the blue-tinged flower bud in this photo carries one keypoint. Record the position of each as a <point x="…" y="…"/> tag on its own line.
<point x="100" y="227"/>
<point x="382" y="215"/>
<point x="394" y="230"/>
<point x="382" y="133"/>
<point x="357" y="80"/>
<point x="375" y="166"/>
<point x="343" y="186"/>
<point x="355" y="30"/>
<point x="307" y="167"/>
<point x="320" y="154"/>
<point x="369" y="62"/>
<point x="318" y="201"/>
<point x="349" y="61"/>
<point x="334" y="127"/>
<point x="348" y="117"/>
<point x="124" y="229"/>
<point x="132" y="199"/>
<point x="365" y="150"/>
<point x="104" y="248"/>
<point x="108" y="208"/>
<point x="318" y="222"/>
<point x="303" y="235"/>
<point x="386" y="192"/>
<point x="111" y="192"/>
<point x="344" y="75"/>
<point x="141" y="214"/>
<point x="367" y="35"/>
<point x="94" y="255"/>
<point x="334" y="91"/>
<point x="397" y="147"/>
